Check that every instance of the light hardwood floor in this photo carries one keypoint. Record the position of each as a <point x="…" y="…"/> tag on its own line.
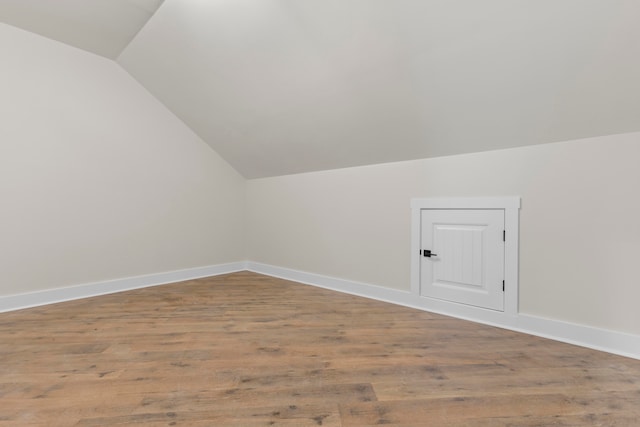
<point x="249" y="350"/>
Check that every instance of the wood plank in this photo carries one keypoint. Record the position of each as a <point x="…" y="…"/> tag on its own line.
<point x="250" y="350"/>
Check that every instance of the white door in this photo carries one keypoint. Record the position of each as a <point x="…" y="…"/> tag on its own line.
<point x="462" y="256"/>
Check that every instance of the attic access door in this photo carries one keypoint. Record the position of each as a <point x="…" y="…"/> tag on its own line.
<point x="463" y="256"/>
<point x="465" y="253"/>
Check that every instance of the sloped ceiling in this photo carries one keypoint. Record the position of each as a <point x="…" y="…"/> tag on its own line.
<point x="104" y="27"/>
<point x="285" y="86"/>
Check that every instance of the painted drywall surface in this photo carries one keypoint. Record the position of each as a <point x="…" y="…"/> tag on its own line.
<point x="287" y="86"/>
<point x="104" y="27"/>
<point x="98" y="180"/>
<point x="579" y="230"/>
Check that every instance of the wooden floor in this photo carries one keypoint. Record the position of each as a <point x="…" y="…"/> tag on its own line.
<point x="248" y="350"/>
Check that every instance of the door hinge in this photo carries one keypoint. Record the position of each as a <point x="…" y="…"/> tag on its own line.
<point x="503" y="286"/>
<point x="504" y="235"/>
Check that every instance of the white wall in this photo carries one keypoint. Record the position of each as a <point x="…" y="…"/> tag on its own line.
<point x="579" y="236"/>
<point x="98" y="180"/>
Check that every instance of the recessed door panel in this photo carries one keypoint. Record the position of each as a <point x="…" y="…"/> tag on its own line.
<point x="466" y="262"/>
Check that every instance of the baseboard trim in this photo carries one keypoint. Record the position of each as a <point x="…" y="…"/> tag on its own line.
<point x="366" y="290"/>
<point x="620" y="343"/>
<point x="52" y="296"/>
<point x="614" y="342"/>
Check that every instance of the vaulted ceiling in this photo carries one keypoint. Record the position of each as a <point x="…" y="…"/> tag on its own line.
<point x="104" y="27"/>
<point x="286" y="86"/>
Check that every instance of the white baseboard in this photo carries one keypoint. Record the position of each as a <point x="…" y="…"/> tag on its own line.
<point x="586" y="336"/>
<point x="51" y="296"/>
<point x="619" y="343"/>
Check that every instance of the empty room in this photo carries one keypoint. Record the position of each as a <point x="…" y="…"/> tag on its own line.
<point x="319" y="213"/>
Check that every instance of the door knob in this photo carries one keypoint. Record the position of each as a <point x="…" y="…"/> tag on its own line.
<point x="427" y="253"/>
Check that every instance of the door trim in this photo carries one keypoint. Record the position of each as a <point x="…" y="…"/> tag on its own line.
<point x="511" y="206"/>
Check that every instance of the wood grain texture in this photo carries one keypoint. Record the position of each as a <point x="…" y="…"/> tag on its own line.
<point x="250" y="350"/>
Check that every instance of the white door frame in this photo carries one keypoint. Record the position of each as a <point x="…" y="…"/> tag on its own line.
<point x="511" y="206"/>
